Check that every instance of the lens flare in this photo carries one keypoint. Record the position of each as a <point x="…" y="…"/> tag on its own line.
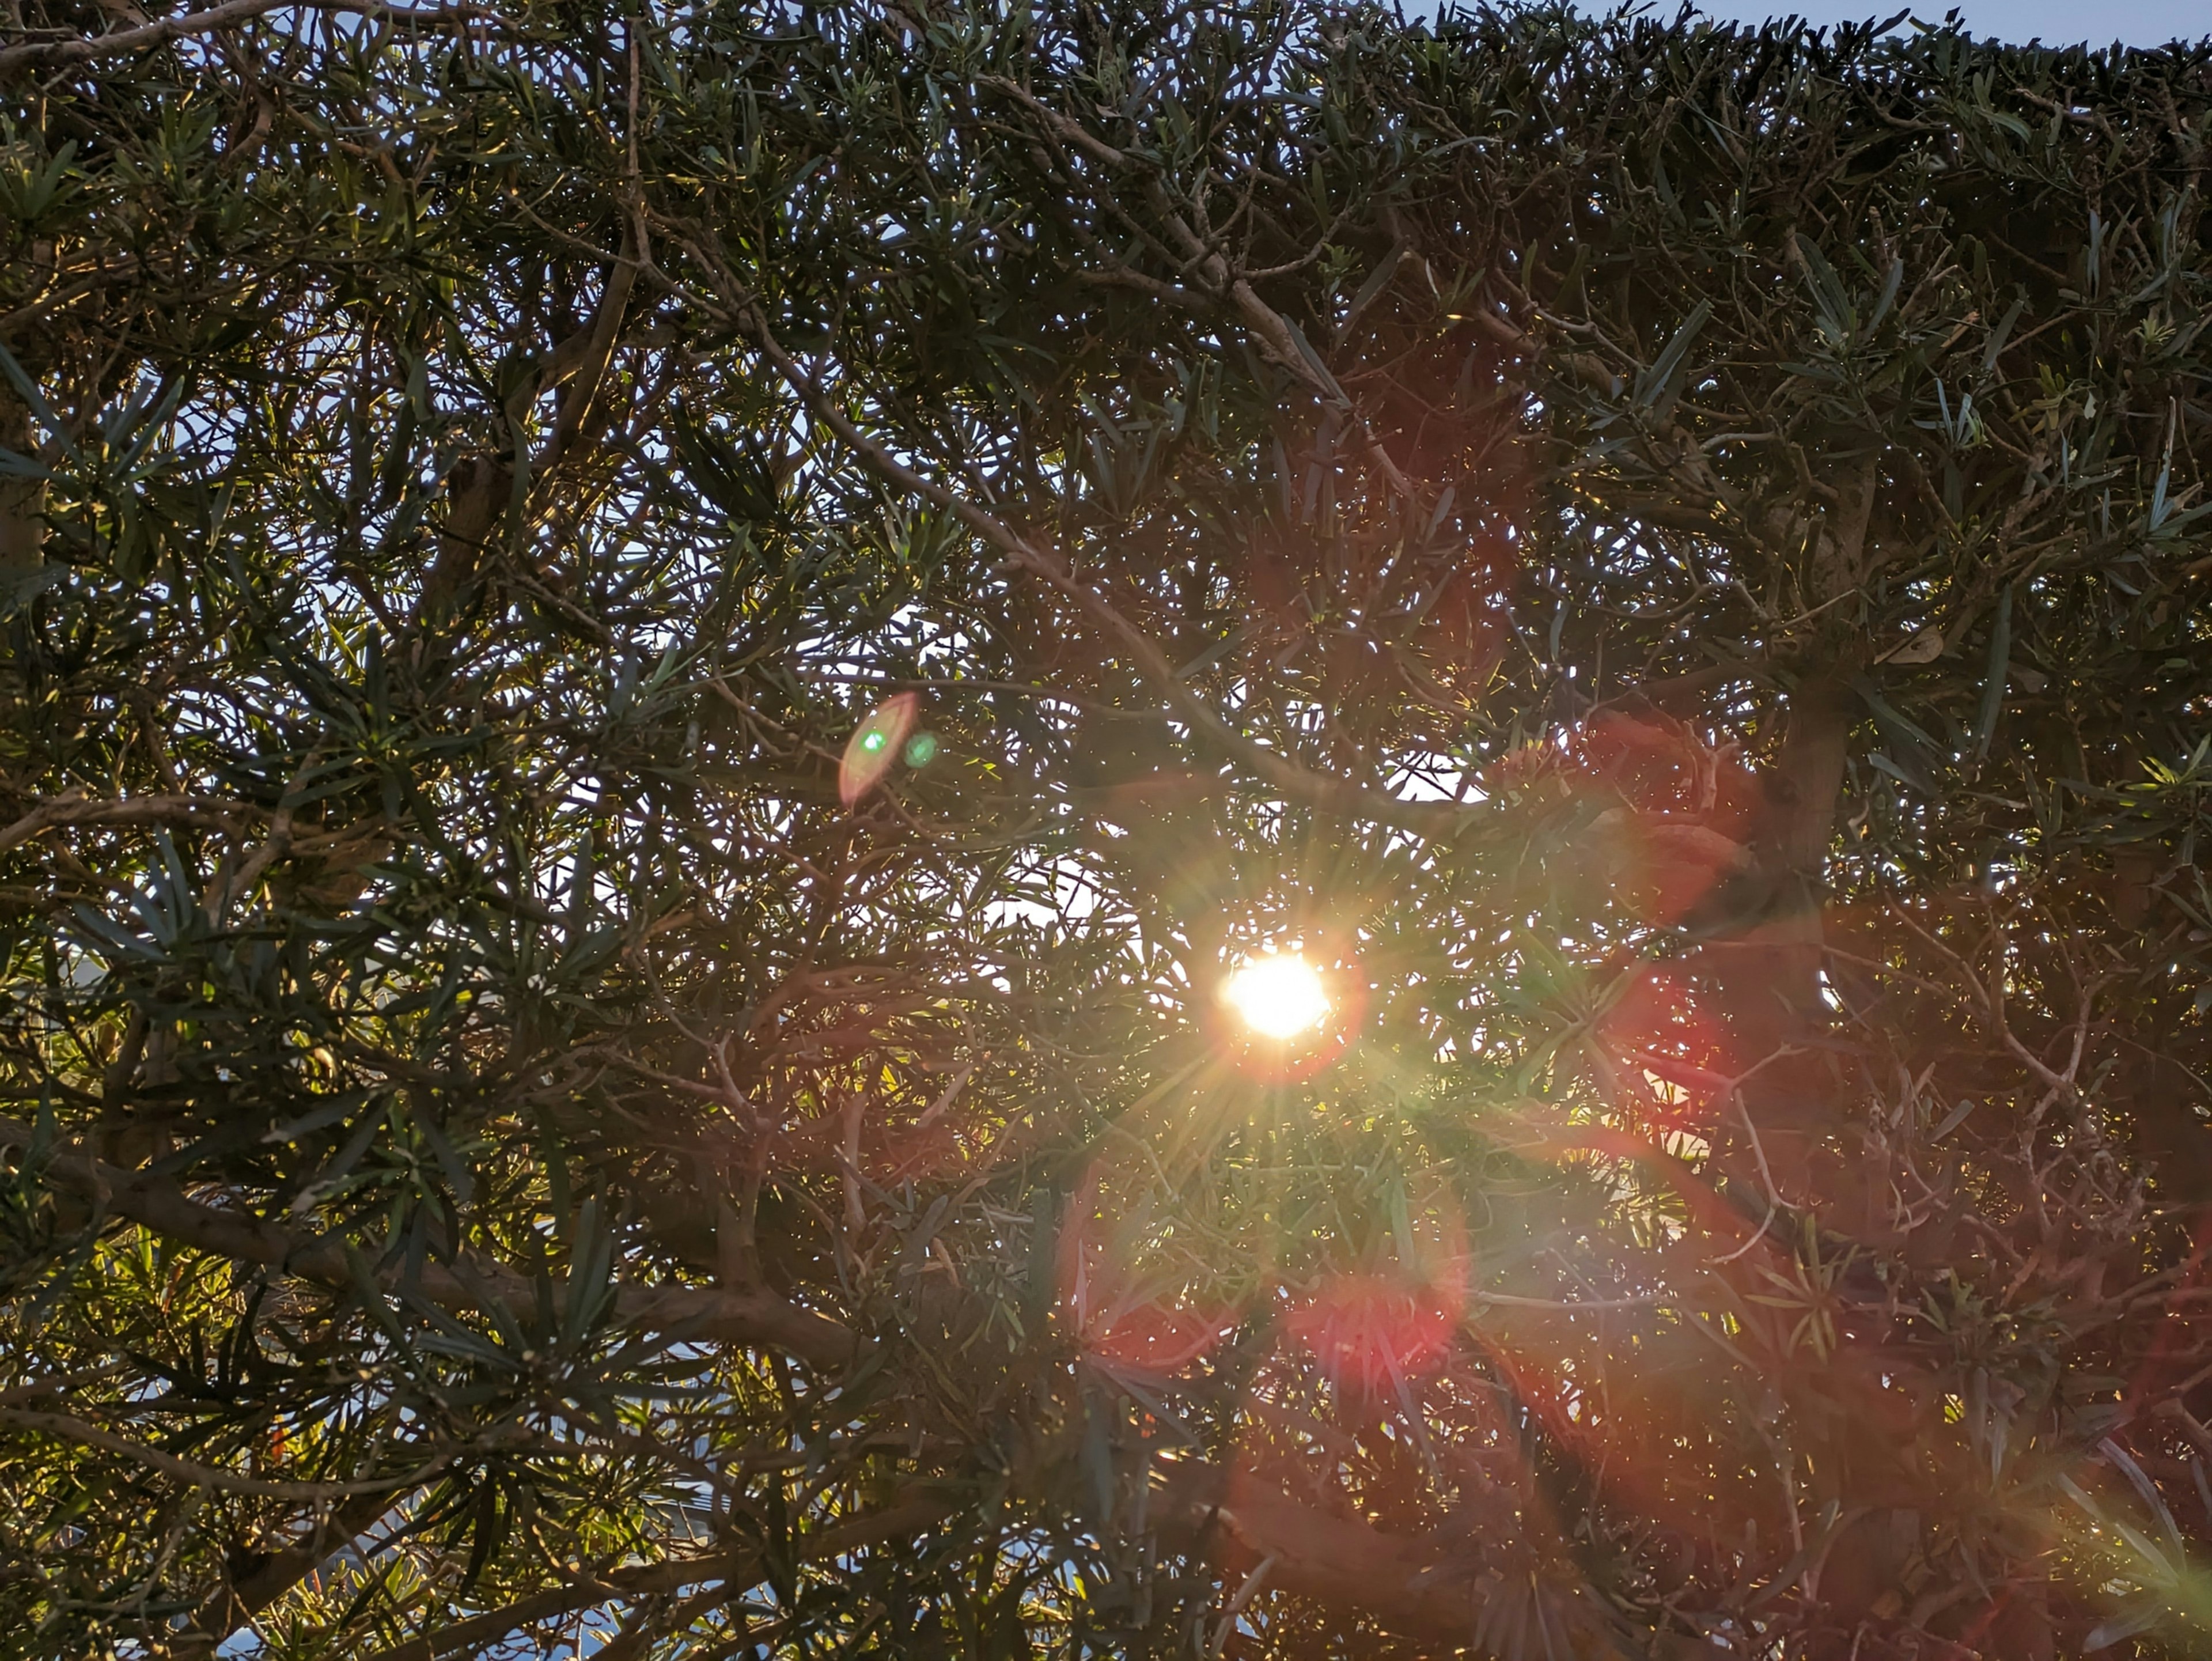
<point x="1279" y="995"/>
<point x="1370" y="1333"/>
<point x="874" y="746"/>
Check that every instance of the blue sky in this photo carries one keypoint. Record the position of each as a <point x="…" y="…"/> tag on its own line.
<point x="2056" y="23"/>
<point x="2135" y="23"/>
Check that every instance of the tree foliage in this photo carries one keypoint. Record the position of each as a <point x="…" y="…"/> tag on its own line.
<point x="656" y="658"/>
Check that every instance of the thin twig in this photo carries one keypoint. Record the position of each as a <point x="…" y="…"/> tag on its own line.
<point x="70" y="1429"/>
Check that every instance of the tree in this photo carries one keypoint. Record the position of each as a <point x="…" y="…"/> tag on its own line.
<point x="658" y="660"/>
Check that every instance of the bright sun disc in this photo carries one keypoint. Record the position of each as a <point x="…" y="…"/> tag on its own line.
<point x="1279" y="995"/>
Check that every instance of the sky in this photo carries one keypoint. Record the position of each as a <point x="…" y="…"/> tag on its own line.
<point x="2057" y="22"/>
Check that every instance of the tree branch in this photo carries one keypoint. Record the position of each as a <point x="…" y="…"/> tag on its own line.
<point x="742" y="1566"/>
<point x="184" y="24"/>
<point x="1299" y="783"/>
<point x="235" y="1601"/>
<point x="1406" y="1583"/>
<point x="130" y="810"/>
<point x="73" y="1429"/>
<point x="743" y="1316"/>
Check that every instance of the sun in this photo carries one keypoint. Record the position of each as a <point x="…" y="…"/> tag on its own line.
<point x="1278" y="995"/>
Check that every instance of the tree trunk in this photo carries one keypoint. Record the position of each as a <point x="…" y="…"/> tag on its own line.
<point x="22" y="509"/>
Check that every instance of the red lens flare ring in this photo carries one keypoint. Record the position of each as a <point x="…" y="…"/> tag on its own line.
<point x="875" y="745"/>
<point x="1373" y="1332"/>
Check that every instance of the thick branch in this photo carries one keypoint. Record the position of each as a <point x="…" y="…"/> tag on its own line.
<point x="680" y="1312"/>
<point x="184" y="24"/>
<point x="22" y="507"/>
<point x="239" y="1598"/>
<point x="583" y="364"/>
<point x="72" y="1429"/>
<point x="1404" y="1582"/>
<point x="132" y="810"/>
<point x="739" y="1568"/>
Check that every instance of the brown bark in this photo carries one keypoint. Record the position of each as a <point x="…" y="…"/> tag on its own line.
<point x="120" y="43"/>
<point x="22" y="508"/>
<point x="253" y="1580"/>
<point x="1410" y="1586"/>
<point x="735" y="1569"/>
<point x="744" y="1315"/>
<point x="1769" y="968"/>
<point x="477" y="497"/>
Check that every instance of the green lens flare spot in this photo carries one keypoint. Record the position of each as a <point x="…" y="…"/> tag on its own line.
<point x="921" y="749"/>
<point x="874" y="742"/>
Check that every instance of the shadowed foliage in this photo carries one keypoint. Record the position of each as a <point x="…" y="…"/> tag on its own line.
<point x="654" y="658"/>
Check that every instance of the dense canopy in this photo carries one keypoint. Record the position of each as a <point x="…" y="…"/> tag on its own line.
<point x="656" y="661"/>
